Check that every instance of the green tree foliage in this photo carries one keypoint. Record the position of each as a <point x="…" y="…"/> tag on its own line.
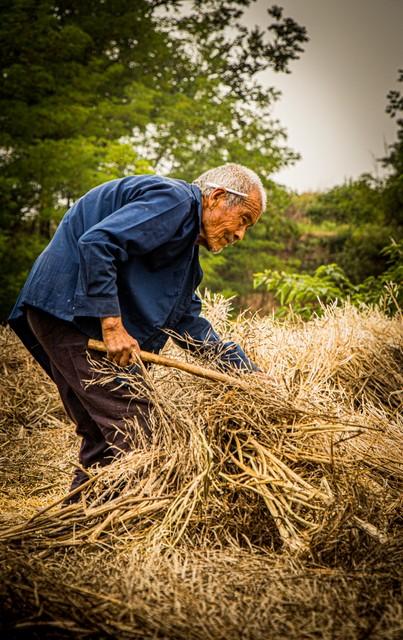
<point x="355" y="202"/>
<point x="97" y="89"/>
<point x="361" y="254"/>
<point x="349" y="224"/>
<point x="394" y="161"/>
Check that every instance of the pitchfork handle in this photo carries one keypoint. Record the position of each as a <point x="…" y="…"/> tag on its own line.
<point x="193" y="369"/>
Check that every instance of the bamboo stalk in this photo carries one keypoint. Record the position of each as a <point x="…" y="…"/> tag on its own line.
<point x="193" y="369"/>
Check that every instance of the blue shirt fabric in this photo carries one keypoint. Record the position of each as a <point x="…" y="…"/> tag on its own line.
<point x="127" y="248"/>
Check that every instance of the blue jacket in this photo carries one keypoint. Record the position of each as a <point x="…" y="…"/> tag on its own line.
<point x="127" y="248"/>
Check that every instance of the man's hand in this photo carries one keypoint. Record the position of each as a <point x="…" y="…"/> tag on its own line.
<point x="121" y="347"/>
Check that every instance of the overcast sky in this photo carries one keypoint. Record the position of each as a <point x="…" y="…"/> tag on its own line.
<point x="333" y="103"/>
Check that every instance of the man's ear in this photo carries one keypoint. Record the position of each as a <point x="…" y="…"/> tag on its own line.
<point x="215" y="197"/>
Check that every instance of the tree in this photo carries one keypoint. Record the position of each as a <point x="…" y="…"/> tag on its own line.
<point x="394" y="161"/>
<point x="96" y="89"/>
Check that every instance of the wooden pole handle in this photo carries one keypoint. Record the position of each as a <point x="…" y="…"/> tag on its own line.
<point x="193" y="369"/>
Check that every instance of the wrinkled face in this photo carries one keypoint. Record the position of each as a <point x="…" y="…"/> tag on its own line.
<point x="224" y="224"/>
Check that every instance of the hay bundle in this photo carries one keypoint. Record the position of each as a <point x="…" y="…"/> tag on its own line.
<point x="253" y="465"/>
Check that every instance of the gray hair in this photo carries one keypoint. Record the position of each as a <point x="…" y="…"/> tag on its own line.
<point x="237" y="179"/>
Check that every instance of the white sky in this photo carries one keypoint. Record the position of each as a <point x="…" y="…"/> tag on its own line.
<point x="333" y="103"/>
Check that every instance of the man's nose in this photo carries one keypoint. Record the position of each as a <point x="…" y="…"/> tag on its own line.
<point x="240" y="234"/>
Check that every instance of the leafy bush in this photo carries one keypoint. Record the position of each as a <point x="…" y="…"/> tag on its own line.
<point x="306" y="294"/>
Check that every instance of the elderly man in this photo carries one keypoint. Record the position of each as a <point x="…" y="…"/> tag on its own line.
<point x="123" y="266"/>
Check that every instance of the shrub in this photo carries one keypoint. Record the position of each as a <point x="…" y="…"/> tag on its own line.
<point x="306" y="293"/>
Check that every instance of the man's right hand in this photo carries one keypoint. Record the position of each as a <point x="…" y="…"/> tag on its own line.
<point x="121" y="347"/>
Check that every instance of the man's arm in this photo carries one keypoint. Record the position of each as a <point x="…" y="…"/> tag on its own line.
<point x="135" y="229"/>
<point x="197" y="335"/>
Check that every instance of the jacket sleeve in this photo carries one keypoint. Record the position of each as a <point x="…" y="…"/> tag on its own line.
<point x="135" y="229"/>
<point x="196" y="334"/>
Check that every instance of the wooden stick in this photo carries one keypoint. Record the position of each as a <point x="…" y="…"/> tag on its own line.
<point x="193" y="369"/>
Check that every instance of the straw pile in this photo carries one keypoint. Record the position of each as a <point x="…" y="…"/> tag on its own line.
<point x="266" y="509"/>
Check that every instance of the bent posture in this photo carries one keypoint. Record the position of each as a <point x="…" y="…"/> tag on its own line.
<point x="123" y="266"/>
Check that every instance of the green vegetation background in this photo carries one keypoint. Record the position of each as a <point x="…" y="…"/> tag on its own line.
<point x="96" y="90"/>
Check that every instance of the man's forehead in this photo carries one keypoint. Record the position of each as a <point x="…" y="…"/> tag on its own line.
<point x="253" y="204"/>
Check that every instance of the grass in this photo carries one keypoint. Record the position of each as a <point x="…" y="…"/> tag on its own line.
<point x="326" y="229"/>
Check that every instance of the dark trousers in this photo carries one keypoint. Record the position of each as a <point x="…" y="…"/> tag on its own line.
<point x="102" y="414"/>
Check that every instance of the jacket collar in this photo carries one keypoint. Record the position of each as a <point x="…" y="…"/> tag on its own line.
<point x="198" y="196"/>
